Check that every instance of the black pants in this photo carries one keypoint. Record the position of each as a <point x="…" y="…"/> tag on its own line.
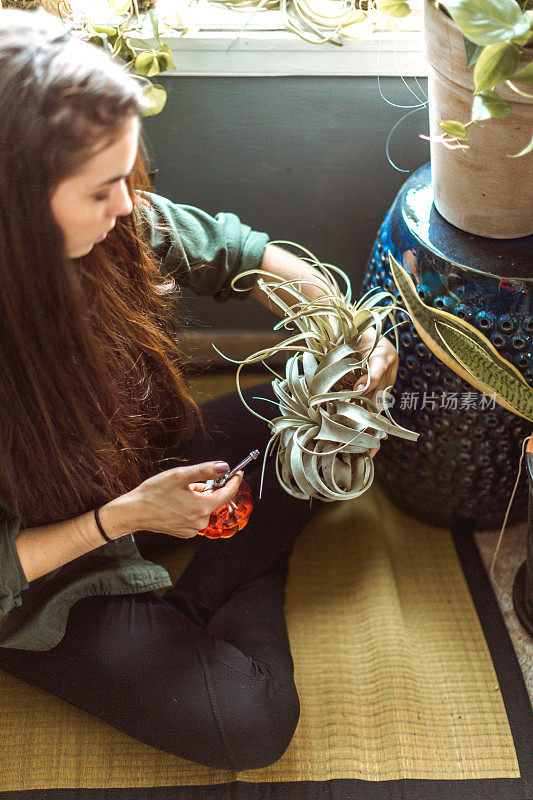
<point x="204" y="672"/>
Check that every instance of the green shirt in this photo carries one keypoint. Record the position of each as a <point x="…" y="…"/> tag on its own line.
<point x="204" y="253"/>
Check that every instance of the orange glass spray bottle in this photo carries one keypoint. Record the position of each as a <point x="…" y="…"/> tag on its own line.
<point x="232" y="517"/>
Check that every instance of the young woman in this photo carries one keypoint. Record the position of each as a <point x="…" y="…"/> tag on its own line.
<point x="100" y="439"/>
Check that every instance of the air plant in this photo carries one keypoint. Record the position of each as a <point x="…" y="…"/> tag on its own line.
<point x="325" y="429"/>
<point x="330" y="21"/>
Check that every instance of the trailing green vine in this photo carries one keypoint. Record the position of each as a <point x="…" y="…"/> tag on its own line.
<point x="495" y="35"/>
<point x="124" y="41"/>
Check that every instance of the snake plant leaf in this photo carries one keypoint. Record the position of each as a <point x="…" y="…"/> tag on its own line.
<point x="488" y="22"/>
<point x="480" y="363"/>
<point x="465" y="349"/>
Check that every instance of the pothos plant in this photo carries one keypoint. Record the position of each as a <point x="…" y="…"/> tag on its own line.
<point x="495" y="34"/>
<point x="124" y="41"/>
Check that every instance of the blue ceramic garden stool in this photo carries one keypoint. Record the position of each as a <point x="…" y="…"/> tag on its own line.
<point x="465" y="462"/>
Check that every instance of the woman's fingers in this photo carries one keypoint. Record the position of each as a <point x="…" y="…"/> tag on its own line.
<point x="382" y="366"/>
<point x="196" y="473"/>
<point x="382" y="369"/>
<point x="174" y="502"/>
<point x="219" y="497"/>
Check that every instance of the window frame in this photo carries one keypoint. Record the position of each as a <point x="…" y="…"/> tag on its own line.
<point x="215" y="45"/>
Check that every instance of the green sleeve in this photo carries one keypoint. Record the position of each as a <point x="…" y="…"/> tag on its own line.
<point x="12" y="578"/>
<point x="202" y="252"/>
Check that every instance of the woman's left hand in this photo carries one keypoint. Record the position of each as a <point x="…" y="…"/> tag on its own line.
<point x="382" y="366"/>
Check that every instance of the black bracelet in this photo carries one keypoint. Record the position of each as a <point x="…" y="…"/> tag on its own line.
<point x="104" y="534"/>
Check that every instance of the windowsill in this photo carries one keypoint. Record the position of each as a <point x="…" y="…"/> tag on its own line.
<point x="267" y="48"/>
<point x="283" y="53"/>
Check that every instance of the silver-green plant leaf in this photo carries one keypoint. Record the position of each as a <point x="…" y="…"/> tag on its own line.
<point x="146" y="63"/>
<point x="154" y="99"/>
<point x="325" y="431"/>
<point x="455" y="129"/>
<point x="394" y="8"/>
<point x="472" y="51"/>
<point x="321" y="432"/>
<point x="489" y="105"/>
<point x="524" y="75"/>
<point x="165" y="58"/>
<point x="488" y="22"/>
<point x="465" y="349"/>
<point x="526" y="37"/>
<point x="495" y="65"/>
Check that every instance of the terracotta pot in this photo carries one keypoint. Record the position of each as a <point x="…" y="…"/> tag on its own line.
<point x="479" y="190"/>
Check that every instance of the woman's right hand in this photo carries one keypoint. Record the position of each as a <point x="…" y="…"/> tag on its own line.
<point x="174" y="502"/>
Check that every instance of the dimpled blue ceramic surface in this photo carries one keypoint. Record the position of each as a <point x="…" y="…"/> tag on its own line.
<point x="465" y="461"/>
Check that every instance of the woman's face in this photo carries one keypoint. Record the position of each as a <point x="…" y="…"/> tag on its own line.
<point x="87" y="204"/>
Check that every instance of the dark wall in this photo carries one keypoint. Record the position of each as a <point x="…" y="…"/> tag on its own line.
<point x="303" y="158"/>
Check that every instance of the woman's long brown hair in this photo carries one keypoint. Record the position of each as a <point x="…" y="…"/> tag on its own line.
<point x="91" y="384"/>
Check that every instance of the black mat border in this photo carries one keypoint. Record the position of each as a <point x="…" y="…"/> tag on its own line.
<point x="512" y="686"/>
<point x="515" y="697"/>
